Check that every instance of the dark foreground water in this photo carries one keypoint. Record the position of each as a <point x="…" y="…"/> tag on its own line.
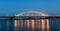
<point x="30" y="25"/>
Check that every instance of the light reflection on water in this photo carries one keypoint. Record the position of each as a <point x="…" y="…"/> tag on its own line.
<point x="25" y="25"/>
<point x="32" y="25"/>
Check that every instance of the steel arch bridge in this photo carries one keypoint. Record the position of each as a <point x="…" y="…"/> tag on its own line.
<point x="35" y="13"/>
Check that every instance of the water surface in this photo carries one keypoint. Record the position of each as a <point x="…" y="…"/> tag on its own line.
<point x="30" y="25"/>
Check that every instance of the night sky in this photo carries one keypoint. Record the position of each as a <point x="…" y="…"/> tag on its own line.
<point x="13" y="7"/>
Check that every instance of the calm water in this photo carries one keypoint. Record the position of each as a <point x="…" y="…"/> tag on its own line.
<point x="30" y="25"/>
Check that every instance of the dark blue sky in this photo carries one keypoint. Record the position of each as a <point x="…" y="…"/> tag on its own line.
<point x="12" y="7"/>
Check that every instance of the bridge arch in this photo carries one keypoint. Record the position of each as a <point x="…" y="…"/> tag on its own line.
<point x="32" y="13"/>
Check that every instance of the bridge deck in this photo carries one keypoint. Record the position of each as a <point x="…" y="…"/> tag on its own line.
<point x="28" y="17"/>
